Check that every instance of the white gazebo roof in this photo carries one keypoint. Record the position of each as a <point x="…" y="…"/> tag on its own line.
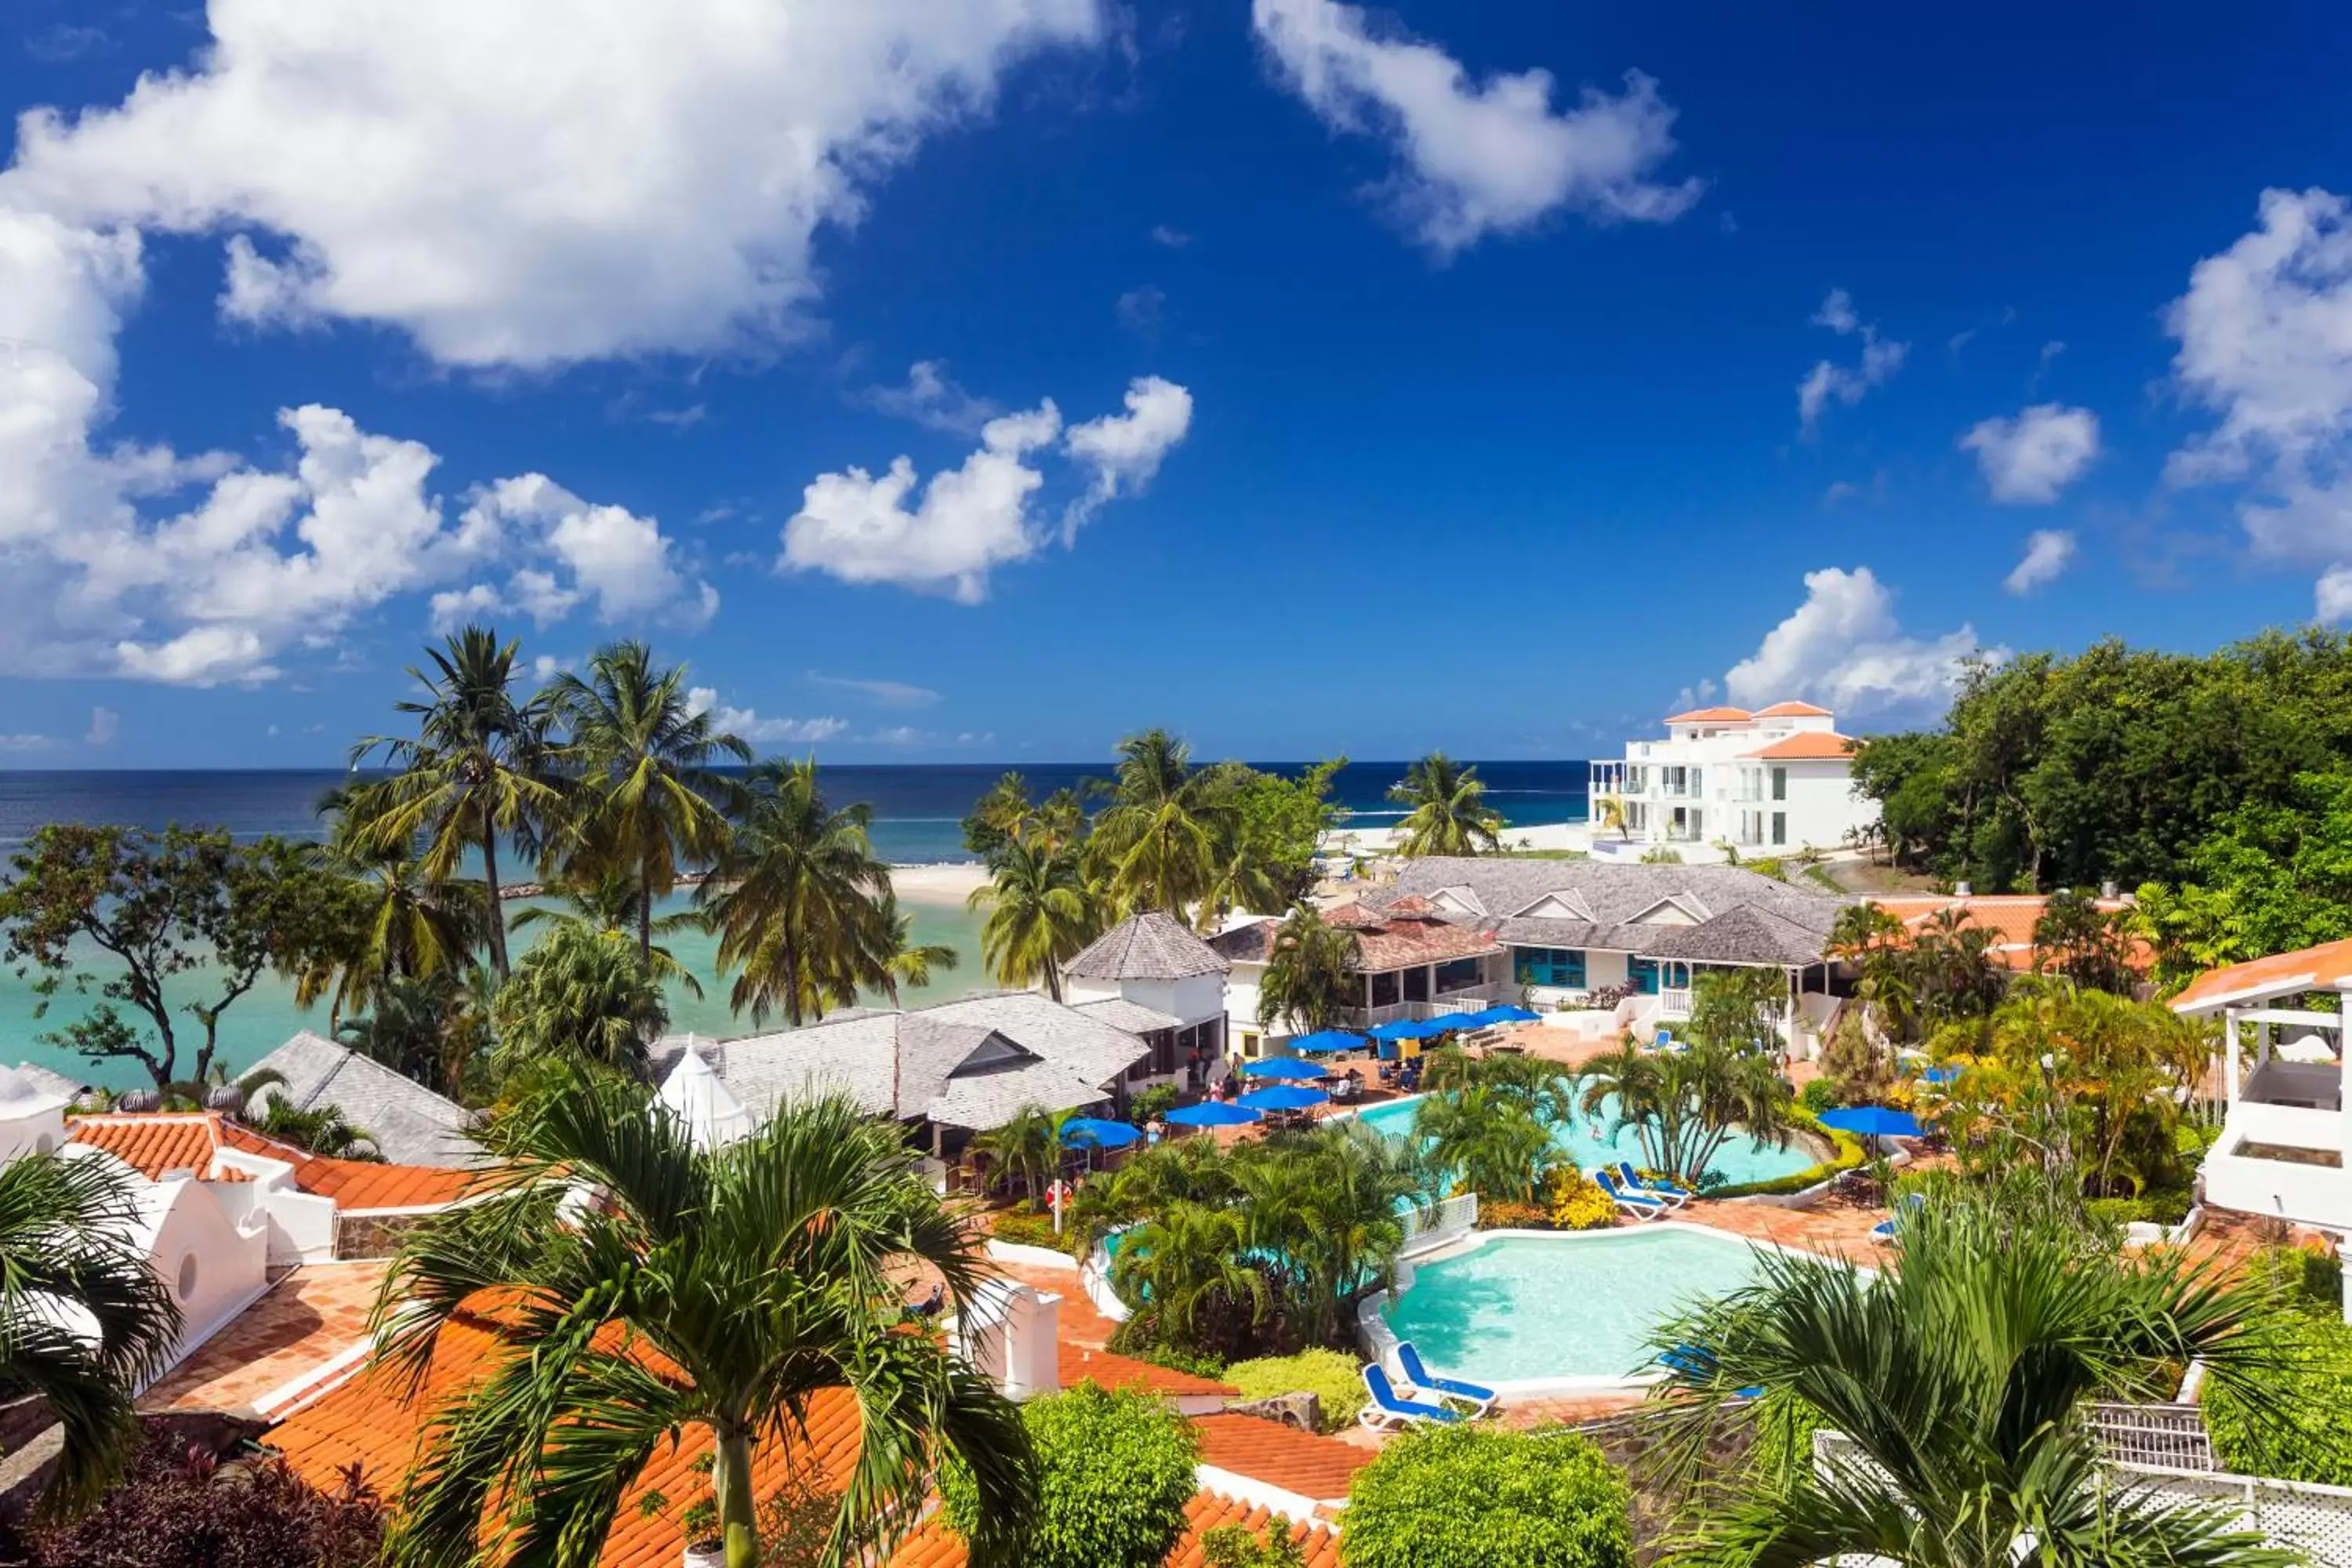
<point x="712" y="1114"/>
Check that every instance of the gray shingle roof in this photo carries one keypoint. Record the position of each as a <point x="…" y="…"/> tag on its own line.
<point x="981" y="1057"/>
<point x="1739" y="916"/>
<point x="50" y="1081"/>
<point x="1133" y="1017"/>
<point x="410" y="1124"/>
<point x="1149" y="946"/>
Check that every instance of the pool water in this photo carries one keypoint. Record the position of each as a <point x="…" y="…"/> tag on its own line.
<point x="1534" y="1308"/>
<point x="1741" y="1159"/>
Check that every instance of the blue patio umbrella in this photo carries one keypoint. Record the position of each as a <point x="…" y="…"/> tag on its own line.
<point x="1284" y="1096"/>
<point x="1873" y="1122"/>
<point x="1284" y="1066"/>
<point x="1509" y="1013"/>
<point x="1939" y="1074"/>
<point x="1328" y="1040"/>
<point x="1094" y="1132"/>
<point x="1413" y="1029"/>
<point x="1210" y="1114"/>
<point x="1477" y="1020"/>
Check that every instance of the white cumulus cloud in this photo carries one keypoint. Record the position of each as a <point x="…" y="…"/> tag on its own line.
<point x="531" y="184"/>
<point x="947" y="534"/>
<point x="2048" y="553"/>
<point x="2029" y="460"/>
<point x="105" y="723"/>
<point x="2334" y="596"/>
<point x="751" y="727"/>
<point x="1843" y="649"/>
<point x="1828" y="381"/>
<point x="1476" y="157"/>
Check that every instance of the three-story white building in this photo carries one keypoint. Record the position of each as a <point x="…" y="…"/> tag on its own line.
<point x="1768" y="782"/>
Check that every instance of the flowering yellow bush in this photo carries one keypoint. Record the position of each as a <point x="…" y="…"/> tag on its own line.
<point x="1577" y="1204"/>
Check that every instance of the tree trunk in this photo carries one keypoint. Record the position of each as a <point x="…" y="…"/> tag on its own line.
<point x="490" y="887"/>
<point x="646" y="916"/>
<point x="730" y="1484"/>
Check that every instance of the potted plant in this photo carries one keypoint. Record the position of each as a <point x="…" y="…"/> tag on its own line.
<point x="697" y="1522"/>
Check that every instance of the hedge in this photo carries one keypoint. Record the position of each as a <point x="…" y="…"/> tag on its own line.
<point x="1474" y="1497"/>
<point x="1335" y="1379"/>
<point x="1114" y="1473"/>
<point x="1026" y="1227"/>
<point x="1849" y="1153"/>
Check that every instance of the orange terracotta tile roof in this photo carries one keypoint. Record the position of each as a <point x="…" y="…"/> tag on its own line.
<point x="152" y="1143"/>
<point x="1792" y="711"/>
<point x="2320" y="968"/>
<point x="366" y="1421"/>
<point x="1280" y="1456"/>
<point x="1085" y="1364"/>
<point x="937" y="1546"/>
<point x="1711" y="716"/>
<point x="1807" y="745"/>
<point x="2009" y="917"/>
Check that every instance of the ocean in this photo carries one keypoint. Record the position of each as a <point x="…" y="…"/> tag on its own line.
<point x="918" y="812"/>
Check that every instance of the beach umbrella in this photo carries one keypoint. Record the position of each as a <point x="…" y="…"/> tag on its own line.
<point x="1208" y="1113"/>
<point x="1093" y="1132"/>
<point x="1477" y="1020"/>
<point x="1284" y="1066"/>
<point x="1328" y="1040"/>
<point x="1873" y="1122"/>
<point x="1509" y="1013"/>
<point x="1284" y="1096"/>
<point x="1413" y="1029"/>
<point x="1939" y="1076"/>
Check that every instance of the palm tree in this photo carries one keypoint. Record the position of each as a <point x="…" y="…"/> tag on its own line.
<point x="1449" y="814"/>
<point x="1041" y="912"/>
<point x="650" y="795"/>
<point x="720" y="1291"/>
<point x="1327" y="1205"/>
<point x="322" y="1130"/>
<point x="583" y="993"/>
<point x="1028" y="1148"/>
<point x="611" y="901"/>
<point x="477" y="771"/>
<point x="1157" y="840"/>
<point x="1187" y="1260"/>
<point x="903" y="959"/>
<point x="1608" y="813"/>
<point x="1959" y="1380"/>
<point x="405" y="923"/>
<point x="1490" y="1138"/>
<point x="796" y="898"/>
<point x="1683" y="1107"/>
<point x="1310" y="973"/>
<point x="84" y="1321"/>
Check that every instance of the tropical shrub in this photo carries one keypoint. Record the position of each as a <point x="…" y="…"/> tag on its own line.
<point x="2294" y="1423"/>
<point x="182" y="1510"/>
<point x="1849" y="1154"/>
<point x="1028" y="1227"/>
<point x="1474" y="1497"/>
<point x="1333" y="1376"/>
<point x="1115" y="1471"/>
<point x="1817" y="1095"/>
<point x="1507" y="1214"/>
<point x="1144" y="1337"/>
<point x="1578" y="1202"/>
<point x="1153" y="1103"/>
<point x="1233" y="1546"/>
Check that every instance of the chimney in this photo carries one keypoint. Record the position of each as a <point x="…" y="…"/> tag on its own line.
<point x="1963" y="890"/>
<point x="1011" y="1335"/>
<point x="2107" y="890"/>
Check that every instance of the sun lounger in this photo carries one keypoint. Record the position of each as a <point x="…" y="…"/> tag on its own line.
<point x="1428" y="1382"/>
<point x="1641" y="1205"/>
<point x="1632" y="1181"/>
<point x="1696" y="1362"/>
<point x="1389" y="1407"/>
<point x="1883" y="1231"/>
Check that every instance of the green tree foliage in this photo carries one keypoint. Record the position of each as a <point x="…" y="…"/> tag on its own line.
<point x="584" y="994"/>
<point x="1042" y="912"/>
<point x="1474" y="1497"/>
<point x="1236" y="1546"/>
<point x="1446" y="810"/>
<point x="1685" y="1106"/>
<point x="1960" y="1377"/>
<point x="168" y="925"/>
<point x="2295" y="1421"/>
<point x="1026" y="1150"/>
<point x="1311" y="979"/>
<point x="321" y="1129"/>
<point x="2073" y="938"/>
<point x="65" y="1251"/>
<point x="2270" y="878"/>
<point x="1154" y="846"/>
<point x="1113" y="1474"/>
<point x="1268" y="862"/>
<point x="1334" y="1377"/>
<point x="763" y="1273"/>
<point x="399" y="921"/>
<point x="1740" y="1008"/>
<point x="610" y="900"/>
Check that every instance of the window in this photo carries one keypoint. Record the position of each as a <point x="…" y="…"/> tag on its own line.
<point x="1696" y="788"/>
<point x="1643" y="974"/>
<point x="1780" y="827"/>
<point x="1779" y="783"/>
<point x="188" y="1276"/>
<point x="1560" y="967"/>
<point x="1455" y="973"/>
<point x="1249" y="1045"/>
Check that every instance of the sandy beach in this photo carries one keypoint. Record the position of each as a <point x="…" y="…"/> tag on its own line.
<point x="948" y="882"/>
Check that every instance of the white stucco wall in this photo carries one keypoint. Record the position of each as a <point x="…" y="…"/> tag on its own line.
<point x="32" y="1128"/>
<point x="212" y="1265"/>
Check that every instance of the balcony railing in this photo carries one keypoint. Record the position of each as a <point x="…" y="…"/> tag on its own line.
<point x="1473" y="1000"/>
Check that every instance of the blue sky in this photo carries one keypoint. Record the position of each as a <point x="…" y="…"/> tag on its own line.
<point x="1401" y="398"/>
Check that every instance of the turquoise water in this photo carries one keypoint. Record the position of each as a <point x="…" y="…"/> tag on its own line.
<point x="1584" y="1141"/>
<point x="1518" y="1309"/>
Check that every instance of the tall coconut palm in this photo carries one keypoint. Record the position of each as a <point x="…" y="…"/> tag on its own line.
<point x="1685" y="1107"/>
<point x="1959" y="1379"/>
<point x="1157" y="840"/>
<point x="1028" y="1148"/>
<point x="84" y="1321"/>
<point x="1310" y="979"/>
<point x="1449" y="813"/>
<point x="1041" y="912"/>
<point x="796" y="897"/>
<point x="405" y="923"/>
<point x="716" y="1294"/>
<point x="900" y="958"/>
<point x="478" y="772"/>
<point x="612" y="902"/>
<point x="582" y="994"/>
<point x="650" y="794"/>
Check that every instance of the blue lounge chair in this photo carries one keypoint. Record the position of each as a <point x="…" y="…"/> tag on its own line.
<point x="1696" y="1362"/>
<point x="1428" y="1382"/>
<point x="1641" y="1205"/>
<point x="1883" y="1231"/>
<point x="1632" y="1181"/>
<point x="1391" y="1408"/>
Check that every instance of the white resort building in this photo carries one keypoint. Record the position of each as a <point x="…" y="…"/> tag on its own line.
<point x="1772" y="782"/>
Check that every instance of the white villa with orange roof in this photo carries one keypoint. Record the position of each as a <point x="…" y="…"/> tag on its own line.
<point x="1766" y="783"/>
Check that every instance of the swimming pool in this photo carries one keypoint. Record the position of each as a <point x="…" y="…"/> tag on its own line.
<point x="1532" y="1312"/>
<point x="1740" y="1161"/>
